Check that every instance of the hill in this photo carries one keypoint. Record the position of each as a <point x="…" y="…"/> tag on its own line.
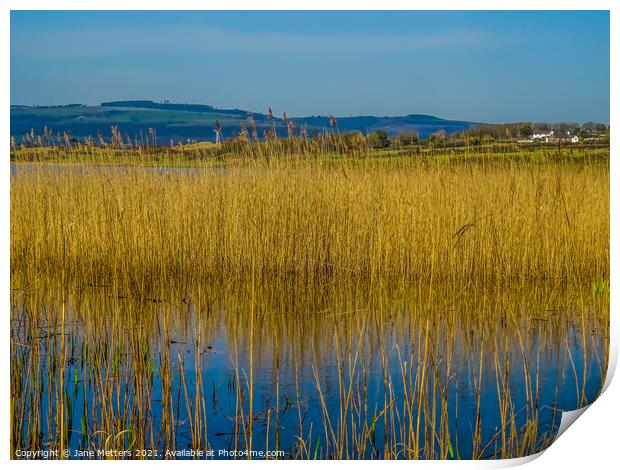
<point x="196" y="122"/>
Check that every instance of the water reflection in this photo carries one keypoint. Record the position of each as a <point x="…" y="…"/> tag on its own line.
<point x="321" y="370"/>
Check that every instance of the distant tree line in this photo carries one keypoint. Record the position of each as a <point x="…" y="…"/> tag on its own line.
<point x="525" y="130"/>
<point x="171" y="106"/>
<point x="57" y="106"/>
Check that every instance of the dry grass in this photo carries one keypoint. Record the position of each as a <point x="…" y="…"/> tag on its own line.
<point x="405" y="220"/>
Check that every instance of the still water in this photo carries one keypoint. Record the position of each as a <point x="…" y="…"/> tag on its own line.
<point x="331" y="370"/>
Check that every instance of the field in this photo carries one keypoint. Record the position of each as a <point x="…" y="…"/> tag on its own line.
<point x="321" y="302"/>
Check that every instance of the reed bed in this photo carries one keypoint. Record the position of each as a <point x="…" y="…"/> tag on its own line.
<point x="400" y="220"/>
<point x="322" y="307"/>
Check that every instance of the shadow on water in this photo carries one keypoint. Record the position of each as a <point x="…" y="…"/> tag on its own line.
<point x="328" y="370"/>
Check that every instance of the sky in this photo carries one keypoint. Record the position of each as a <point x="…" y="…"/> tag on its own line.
<point x="481" y="66"/>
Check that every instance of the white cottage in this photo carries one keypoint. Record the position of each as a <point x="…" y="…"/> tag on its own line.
<point x="553" y="136"/>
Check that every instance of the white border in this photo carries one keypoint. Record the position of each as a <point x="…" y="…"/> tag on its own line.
<point x="591" y="443"/>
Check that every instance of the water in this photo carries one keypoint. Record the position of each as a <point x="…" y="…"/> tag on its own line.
<point x="337" y="369"/>
<point x="79" y="169"/>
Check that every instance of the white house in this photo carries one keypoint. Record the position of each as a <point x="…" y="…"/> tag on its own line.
<point x="553" y="136"/>
<point x="542" y="136"/>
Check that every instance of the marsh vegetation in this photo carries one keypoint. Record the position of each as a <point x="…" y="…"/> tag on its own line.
<point x="329" y="305"/>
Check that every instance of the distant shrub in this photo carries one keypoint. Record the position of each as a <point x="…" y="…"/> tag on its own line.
<point x="407" y="138"/>
<point x="378" y="140"/>
<point x="353" y="141"/>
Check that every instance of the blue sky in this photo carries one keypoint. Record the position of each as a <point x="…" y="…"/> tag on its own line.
<point x="481" y="66"/>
